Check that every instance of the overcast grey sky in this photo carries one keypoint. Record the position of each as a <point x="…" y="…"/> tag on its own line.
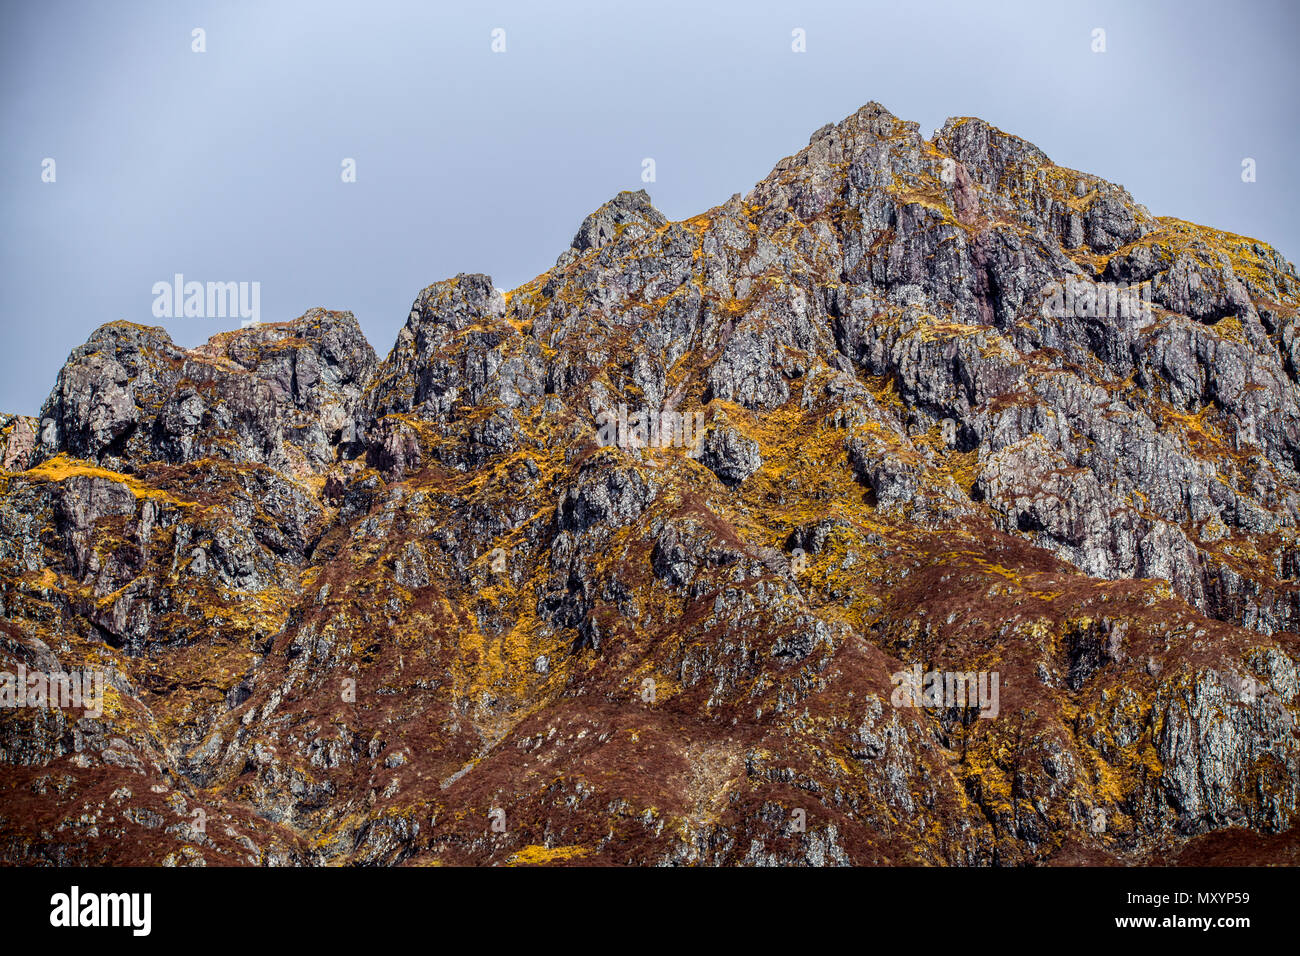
<point x="225" y="165"/>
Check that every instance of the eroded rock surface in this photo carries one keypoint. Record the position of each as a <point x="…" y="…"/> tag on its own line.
<point x="910" y="403"/>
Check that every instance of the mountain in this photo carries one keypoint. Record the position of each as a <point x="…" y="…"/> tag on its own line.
<point x="930" y="504"/>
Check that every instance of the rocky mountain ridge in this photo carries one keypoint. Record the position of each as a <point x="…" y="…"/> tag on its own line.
<point x="960" y="409"/>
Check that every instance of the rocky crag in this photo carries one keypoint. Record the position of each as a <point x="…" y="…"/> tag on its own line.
<point x="948" y="407"/>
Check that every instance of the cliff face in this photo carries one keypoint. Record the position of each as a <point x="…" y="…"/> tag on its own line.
<point x="919" y="406"/>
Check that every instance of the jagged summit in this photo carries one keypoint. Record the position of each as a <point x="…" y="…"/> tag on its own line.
<point x="627" y="210"/>
<point x="637" y="551"/>
<point x="279" y="394"/>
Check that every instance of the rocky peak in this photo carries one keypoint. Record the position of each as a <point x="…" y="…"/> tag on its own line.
<point x="640" y="548"/>
<point x="629" y="212"/>
<point x="282" y="394"/>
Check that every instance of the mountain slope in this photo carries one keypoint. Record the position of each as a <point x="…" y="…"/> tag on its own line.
<point x="934" y="404"/>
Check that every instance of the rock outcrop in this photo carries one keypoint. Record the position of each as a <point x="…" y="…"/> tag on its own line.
<point x="642" y="561"/>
